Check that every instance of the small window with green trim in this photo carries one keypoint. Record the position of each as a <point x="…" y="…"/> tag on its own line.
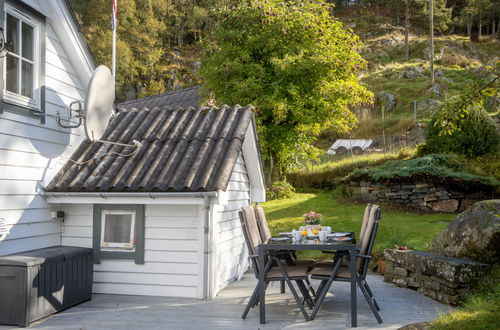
<point x="118" y="232"/>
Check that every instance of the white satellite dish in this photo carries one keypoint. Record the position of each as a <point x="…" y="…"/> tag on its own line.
<point x="99" y="103"/>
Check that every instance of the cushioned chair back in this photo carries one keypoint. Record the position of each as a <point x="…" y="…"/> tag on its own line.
<point x="368" y="237"/>
<point x="246" y="234"/>
<point x="265" y="233"/>
<point x="252" y="229"/>
<point x="365" y="221"/>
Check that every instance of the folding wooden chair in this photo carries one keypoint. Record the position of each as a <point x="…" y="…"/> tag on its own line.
<point x="336" y="271"/>
<point x="291" y="258"/>
<point x="275" y="269"/>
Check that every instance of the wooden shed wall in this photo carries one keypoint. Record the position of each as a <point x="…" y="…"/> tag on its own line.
<point x="31" y="153"/>
<point x="231" y="254"/>
<point x="173" y="252"/>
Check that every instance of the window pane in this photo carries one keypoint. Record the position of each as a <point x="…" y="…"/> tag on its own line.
<point x="13" y="34"/>
<point x="27" y="40"/>
<point x="27" y="79"/>
<point x="117" y="228"/>
<point x="12" y="78"/>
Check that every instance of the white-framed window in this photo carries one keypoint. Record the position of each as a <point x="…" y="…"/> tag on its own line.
<point x="21" y="63"/>
<point x="118" y="230"/>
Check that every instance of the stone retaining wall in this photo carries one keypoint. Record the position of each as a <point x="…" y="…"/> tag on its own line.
<point x="440" y="278"/>
<point x="422" y="195"/>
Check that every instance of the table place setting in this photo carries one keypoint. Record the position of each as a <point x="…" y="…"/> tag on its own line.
<point x="313" y="231"/>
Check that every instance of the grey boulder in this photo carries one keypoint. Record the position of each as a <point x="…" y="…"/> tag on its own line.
<point x="473" y="234"/>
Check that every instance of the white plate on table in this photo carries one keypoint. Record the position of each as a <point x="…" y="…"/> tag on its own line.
<point x="341" y="239"/>
<point x="339" y="234"/>
<point x="280" y="239"/>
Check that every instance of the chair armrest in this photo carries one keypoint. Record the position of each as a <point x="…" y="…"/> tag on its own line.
<point x="363" y="256"/>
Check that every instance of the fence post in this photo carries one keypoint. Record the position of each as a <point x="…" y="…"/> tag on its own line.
<point x="415" y="111"/>
<point x="383" y="138"/>
<point x="350" y="147"/>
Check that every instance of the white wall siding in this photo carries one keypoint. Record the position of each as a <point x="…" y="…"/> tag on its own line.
<point x="173" y="252"/>
<point x="231" y="254"/>
<point x="31" y="153"/>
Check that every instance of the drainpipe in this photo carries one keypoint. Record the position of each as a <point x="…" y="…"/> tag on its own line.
<point x="206" y="248"/>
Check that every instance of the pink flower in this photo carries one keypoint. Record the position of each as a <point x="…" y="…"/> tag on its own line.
<point x="312" y="218"/>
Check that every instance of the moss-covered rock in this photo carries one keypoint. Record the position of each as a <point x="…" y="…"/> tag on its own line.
<point x="474" y="234"/>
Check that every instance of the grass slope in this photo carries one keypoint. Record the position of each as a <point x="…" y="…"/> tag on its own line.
<point x="396" y="228"/>
<point x="480" y="311"/>
<point x="329" y="170"/>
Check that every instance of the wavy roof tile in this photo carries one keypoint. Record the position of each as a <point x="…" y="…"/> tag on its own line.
<point x="183" y="150"/>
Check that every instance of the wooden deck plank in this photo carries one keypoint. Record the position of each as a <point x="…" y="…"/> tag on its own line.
<point x="398" y="307"/>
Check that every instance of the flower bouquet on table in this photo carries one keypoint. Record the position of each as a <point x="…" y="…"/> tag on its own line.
<point x="313" y="222"/>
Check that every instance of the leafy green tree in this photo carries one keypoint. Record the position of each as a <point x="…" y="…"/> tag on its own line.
<point x="462" y="125"/>
<point x="139" y="41"/>
<point x="292" y="61"/>
<point x="148" y="35"/>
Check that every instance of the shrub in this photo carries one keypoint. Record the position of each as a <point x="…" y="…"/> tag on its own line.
<point x="280" y="190"/>
<point x="443" y="168"/>
<point x="421" y="150"/>
<point x="474" y="134"/>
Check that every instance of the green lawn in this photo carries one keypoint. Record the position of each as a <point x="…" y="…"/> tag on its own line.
<point x="397" y="227"/>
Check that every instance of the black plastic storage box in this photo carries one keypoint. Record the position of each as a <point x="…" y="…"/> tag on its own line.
<point x="37" y="283"/>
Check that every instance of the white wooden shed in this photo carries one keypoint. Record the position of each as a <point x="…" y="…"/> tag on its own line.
<point x="162" y="219"/>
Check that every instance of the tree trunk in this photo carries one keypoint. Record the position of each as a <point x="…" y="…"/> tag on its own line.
<point x="480" y="32"/>
<point x="407" y="26"/>
<point x="469" y="26"/>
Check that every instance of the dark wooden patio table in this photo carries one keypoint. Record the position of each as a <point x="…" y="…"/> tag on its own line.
<point x="308" y="245"/>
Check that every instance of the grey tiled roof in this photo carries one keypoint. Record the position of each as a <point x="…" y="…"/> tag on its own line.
<point x="184" y="98"/>
<point x="183" y="150"/>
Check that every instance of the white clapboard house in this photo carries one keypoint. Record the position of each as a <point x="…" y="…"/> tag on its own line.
<point x="46" y="67"/>
<point x="162" y="218"/>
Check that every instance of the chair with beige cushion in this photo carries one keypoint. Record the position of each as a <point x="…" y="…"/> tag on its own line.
<point x="359" y="238"/>
<point x="275" y="269"/>
<point x="291" y="258"/>
<point x="265" y="235"/>
<point x="337" y="271"/>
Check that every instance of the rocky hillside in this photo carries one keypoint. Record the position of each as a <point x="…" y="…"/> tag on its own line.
<point x="403" y="88"/>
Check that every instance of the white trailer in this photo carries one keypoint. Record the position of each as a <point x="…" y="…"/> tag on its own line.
<point x="343" y="146"/>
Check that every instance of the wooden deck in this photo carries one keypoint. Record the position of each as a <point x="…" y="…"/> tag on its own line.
<point x="398" y="307"/>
